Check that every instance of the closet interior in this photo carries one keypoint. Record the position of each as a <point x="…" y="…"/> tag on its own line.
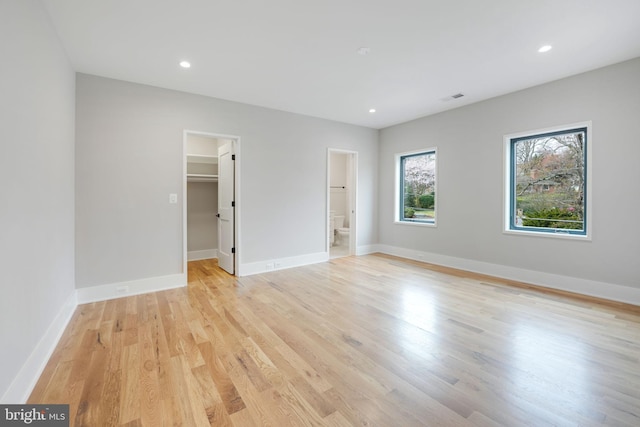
<point x="202" y="196"/>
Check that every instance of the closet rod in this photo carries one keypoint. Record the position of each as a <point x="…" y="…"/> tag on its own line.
<point x="333" y="186"/>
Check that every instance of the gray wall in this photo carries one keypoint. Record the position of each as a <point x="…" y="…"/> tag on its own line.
<point x="36" y="182"/>
<point x="202" y="224"/>
<point x="470" y="177"/>
<point x="129" y="158"/>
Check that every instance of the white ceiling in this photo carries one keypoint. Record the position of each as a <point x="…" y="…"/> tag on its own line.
<point x="301" y="55"/>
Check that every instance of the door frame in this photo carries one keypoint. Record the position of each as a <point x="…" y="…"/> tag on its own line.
<point x="236" y="190"/>
<point x="352" y="161"/>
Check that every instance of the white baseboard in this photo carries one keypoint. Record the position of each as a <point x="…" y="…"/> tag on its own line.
<point x="26" y="379"/>
<point x="133" y="287"/>
<point x="203" y="254"/>
<point x="248" y="269"/>
<point x="577" y="285"/>
<point x="366" y="249"/>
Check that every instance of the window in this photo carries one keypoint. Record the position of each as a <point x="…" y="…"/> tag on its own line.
<point x="547" y="181"/>
<point x="416" y="187"/>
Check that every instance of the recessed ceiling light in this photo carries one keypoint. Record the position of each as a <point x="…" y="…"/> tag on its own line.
<point x="185" y="64"/>
<point x="545" y="48"/>
<point x="364" y="51"/>
<point x="372" y="110"/>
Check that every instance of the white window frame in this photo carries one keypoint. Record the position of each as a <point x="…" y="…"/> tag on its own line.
<point x="507" y="194"/>
<point x="398" y="200"/>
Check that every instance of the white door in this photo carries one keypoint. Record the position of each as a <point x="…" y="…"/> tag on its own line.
<point x="226" y="207"/>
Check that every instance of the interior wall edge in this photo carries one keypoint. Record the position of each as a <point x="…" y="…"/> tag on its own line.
<point x="592" y="288"/>
<point x="28" y="375"/>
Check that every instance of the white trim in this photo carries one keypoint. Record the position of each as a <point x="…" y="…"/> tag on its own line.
<point x="545" y="234"/>
<point x="26" y="379"/>
<point x="282" y="263"/>
<point x="353" y="218"/>
<point x="133" y="287"/>
<point x="238" y="203"/>
<point x="203" y="254"/>
<point x="185" y="133"/>
<point x="416" y="223"/>
<point x="506" y="186"/>
<point x="577" y="285"/>
<point x="367" y="249"/>
<point x="328" y="204"/>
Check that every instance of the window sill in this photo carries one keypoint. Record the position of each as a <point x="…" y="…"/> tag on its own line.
<point x="551" y="235"/>
<point x="416" y="223"/>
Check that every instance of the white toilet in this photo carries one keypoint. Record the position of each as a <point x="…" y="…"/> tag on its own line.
<point x="342" y="232"/>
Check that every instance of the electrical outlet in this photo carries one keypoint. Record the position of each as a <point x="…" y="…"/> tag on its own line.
<point x="269" y="266"/>
<point x="173" y="198"/>
<point x="277" y="264"/>
<point x="122" y="289"/>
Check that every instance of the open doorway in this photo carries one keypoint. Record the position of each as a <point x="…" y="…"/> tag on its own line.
<point x="210" y="208"/>
<point x="341" y="214"/>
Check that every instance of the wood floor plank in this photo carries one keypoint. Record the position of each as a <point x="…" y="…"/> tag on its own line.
<point x="131" y="391"/>
<point x="359" y="341"/>
<point x="336" y="419"/>
<point x="148" y="363"/>
<point x="243" y="418"/>
<point x="225" y="387"/>
<point x="93" y="389"/>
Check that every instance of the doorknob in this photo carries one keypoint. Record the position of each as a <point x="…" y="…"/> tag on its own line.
<point x="218" y="215"/>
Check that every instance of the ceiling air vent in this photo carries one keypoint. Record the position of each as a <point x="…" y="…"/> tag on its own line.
<point x="452" y="97"/>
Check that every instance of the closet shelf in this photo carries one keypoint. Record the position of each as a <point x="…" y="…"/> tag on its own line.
<point x="202" y="158"/>
<point x="199" y="177"/>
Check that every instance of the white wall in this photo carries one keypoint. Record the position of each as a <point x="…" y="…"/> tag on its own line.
<point x="36" y="194"/>
<point x="470" y="182"/>
<point x="129" y="158"/>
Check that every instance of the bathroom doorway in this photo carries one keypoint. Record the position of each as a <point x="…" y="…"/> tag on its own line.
<point x="341" y="191"/>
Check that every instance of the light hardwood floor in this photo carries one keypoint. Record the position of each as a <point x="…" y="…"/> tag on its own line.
<point x="368" y="341"/>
